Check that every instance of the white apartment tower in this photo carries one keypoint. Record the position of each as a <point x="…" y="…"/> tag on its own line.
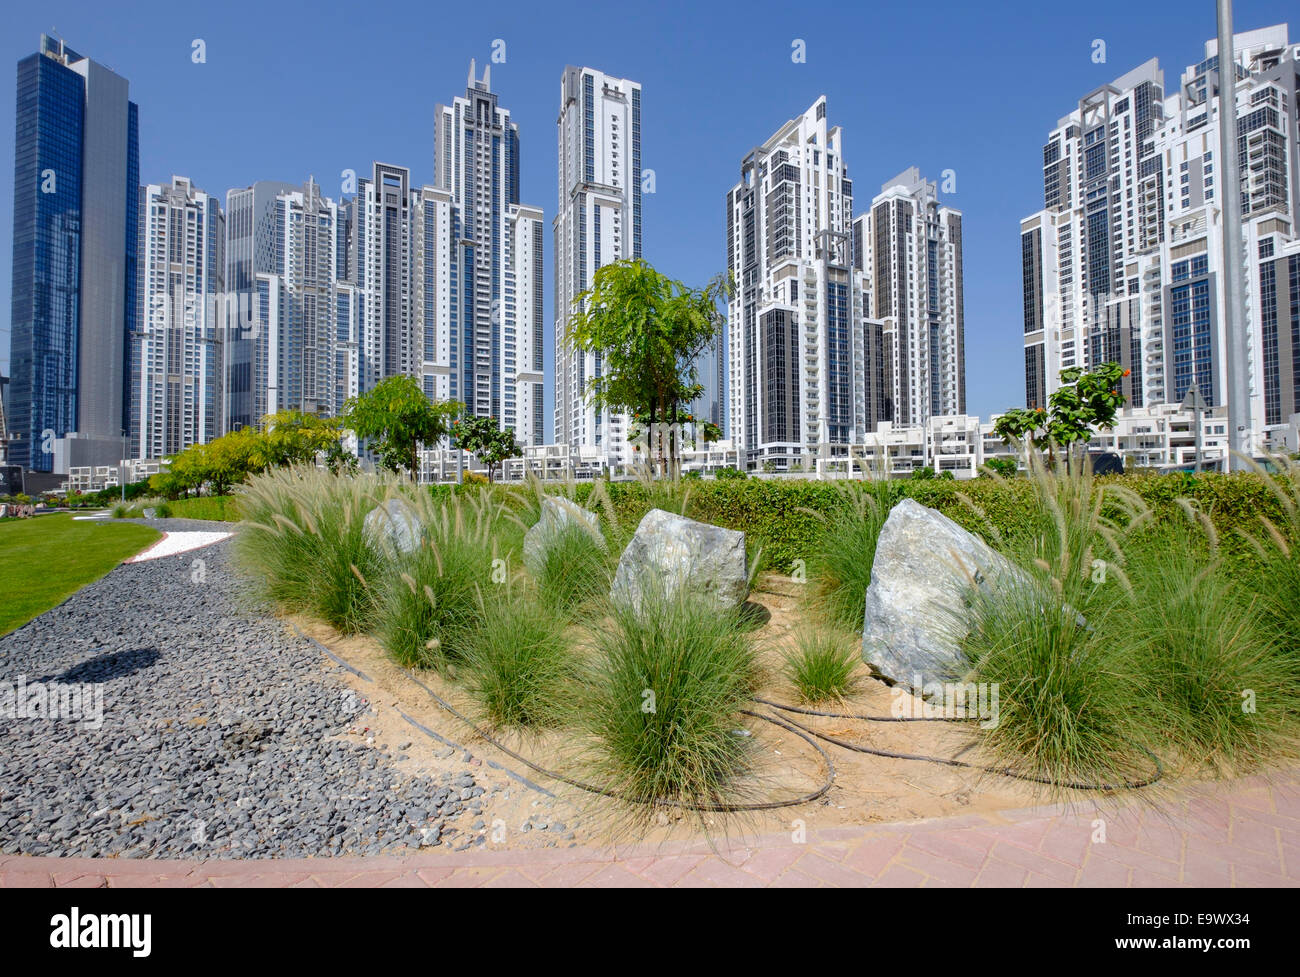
<point x="494" y="285"/>
<point x="297" y="301"/>
<point x="287" y="262"/>
<point x="390" y="337"/>
<point x="1125" y="262"/>
<point x="176" y="354"/>
<point x="795" y="339"/>
<point x="909" y="248"/>
<point x="598" y="222"/>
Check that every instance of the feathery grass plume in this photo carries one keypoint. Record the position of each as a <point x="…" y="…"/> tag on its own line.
<point x="424" y="623"/>
<point x="840" y="568"/>
<point x="303" y="542"/>
<point x="1275" y="577"/>
<point x="1065" y="688"/>
<point x="517" y="664"/>
<point x="575" y="570"/>
<point x="662" y="702"/>
<point x="1216" y="684"/>
<point x="822" y="666"/>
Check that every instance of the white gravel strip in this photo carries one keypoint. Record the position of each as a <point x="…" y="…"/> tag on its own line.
<point x="173" y="543"/>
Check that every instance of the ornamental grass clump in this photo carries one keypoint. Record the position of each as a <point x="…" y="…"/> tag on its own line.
<point x="303" y="542"/>
<point x="662" y="704"/>
<point x="1043" y="638"/>
<point x="575" y="566"/>
<point x="1216" y="682"/>
<point x="823" y="666"/>
<point x="1275" y="573"/>
<point x="574" y="571"/>
<point x="428" y="600"/>
<point x="841" y="567"/>
<point x="517" y="663"/>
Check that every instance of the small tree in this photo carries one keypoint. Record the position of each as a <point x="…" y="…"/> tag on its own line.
<point x="648" y="330"/>
<point x="292" y="437"/>
<point x="396" y="418"/>
<point x="1085" y="402"/>
<point x="484" y="437"/>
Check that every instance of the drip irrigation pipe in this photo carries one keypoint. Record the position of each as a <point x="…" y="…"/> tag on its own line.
<point x="945" y="761"/>
<point x="853" y="715"/>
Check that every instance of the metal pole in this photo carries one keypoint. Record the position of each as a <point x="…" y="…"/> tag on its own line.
<point x="121" y="472"/>
<point x="1238" y="336"/>
<point x="1197" y="419"/>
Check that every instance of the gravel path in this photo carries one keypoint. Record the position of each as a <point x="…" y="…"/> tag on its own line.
<point x="218" y="734"/>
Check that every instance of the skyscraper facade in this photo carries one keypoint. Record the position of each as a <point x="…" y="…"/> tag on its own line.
<point x="1125" y="262"/>
<point x="496" y="346"/>
<point x="909" y="247"/>
<point x="598" y="222"/>
<point x="795" y="321"/>
<point x="176" y="349"/>
<point x="76" y="185"/>
<point x="290" y="308"/>
<point x="251" y="243"/>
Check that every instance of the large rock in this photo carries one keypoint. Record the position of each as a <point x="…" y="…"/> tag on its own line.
<point x="394" y="526"/>
<point x="917" y="603"/>
<point x="670" y="551"/>
<point x="558" y="514"/>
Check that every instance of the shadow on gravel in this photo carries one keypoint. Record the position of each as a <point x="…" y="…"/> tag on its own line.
<point x="105" y="668"/>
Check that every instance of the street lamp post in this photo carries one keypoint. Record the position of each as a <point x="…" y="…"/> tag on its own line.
<point x="1238" y="346"/>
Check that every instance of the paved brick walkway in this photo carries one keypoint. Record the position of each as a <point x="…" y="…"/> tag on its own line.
<point x="1244" y="834"/>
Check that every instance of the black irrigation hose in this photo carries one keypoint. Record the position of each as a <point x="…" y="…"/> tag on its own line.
<point x="607" y="792"/>
<point x="1003" y="771"/>
<point x="809" y="736"/>
<point x="853" y="715"/>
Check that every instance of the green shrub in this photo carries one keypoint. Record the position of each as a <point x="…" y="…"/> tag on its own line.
<point x="669" y="679"/>
<point x="517" y="664"/>
<point x="730" y="473"/>
<point x="821" y="667"/>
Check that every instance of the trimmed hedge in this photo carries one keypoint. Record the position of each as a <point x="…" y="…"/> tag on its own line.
<point x="771" y="512"/>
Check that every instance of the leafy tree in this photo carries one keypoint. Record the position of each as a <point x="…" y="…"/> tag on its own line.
<point x="293" y="437"/>
<point x="483" y="436"/>
<point x="1005" y="467"/>
<point x="396" y="418"/>
<point x="648" y="330"/>
<point x="922" y="474"/>
<point x="1085" y="401"/>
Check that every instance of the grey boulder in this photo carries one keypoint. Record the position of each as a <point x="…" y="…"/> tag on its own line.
<point x="394" y="526"/>
<point x="917" y="603"/>
<point x="670" y="552"/>
<point x="558" y="515"/>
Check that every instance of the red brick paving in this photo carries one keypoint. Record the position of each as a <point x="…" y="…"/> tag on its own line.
<point x="1245" y="833"/>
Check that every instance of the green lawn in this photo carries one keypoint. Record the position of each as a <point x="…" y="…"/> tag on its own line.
<point x="50" y="557"/>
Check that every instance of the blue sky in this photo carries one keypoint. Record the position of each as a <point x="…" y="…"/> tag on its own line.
<point x="297" y="89"/>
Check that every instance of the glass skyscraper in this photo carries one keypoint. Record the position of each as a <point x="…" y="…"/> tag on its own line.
<point x="76" y="179"/>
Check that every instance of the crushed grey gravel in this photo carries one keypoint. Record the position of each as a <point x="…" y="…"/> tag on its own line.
<point x="219" y="736"/>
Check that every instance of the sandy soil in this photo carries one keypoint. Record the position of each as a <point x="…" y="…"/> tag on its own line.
<point x="866" y="789"/>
